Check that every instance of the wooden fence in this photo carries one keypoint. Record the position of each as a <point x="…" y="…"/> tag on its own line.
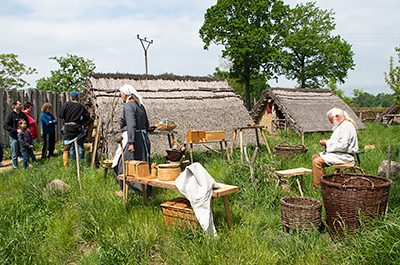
<point x="38" y="98"/>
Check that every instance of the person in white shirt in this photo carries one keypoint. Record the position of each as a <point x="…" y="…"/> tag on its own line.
<point x="340" y="148"/>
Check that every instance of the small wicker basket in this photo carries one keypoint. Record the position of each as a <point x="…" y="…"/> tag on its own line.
<point x="285" y="148"/>
<point x="302" y="213"/>
<point x="168" y="172"/>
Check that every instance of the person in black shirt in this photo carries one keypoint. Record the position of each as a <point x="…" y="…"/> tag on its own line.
<point x="75" y="117"/>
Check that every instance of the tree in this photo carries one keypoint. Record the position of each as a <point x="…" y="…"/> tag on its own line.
<point x="71" y="76"/>
<point x="312" y="56"/>
<point x="393" y="77"/>
<point x="257" y="83"/>
<point x="11" y="71"/>
<point x="246" y="28"/>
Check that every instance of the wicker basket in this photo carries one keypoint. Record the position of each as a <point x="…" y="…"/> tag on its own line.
<point x="178" y="212"/>
<point x="285" y="148"/>
<point x="165" y="126"/>
<point x="347" y="195"/>
<point x="302" y="213"/>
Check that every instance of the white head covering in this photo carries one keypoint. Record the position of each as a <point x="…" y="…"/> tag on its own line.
<point x="131" y="93"/>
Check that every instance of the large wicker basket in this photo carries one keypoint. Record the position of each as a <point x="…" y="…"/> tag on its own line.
<point x="302" y="213"/>
<point x="346" y="196"/>
<point x="285" y="148"/>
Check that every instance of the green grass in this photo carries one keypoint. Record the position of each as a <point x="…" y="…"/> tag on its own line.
<point x="92" y="226"/>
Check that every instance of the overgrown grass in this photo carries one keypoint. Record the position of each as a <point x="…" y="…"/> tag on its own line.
<point x="92" y="226"/>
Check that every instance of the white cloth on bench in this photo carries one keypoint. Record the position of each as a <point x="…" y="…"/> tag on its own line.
<point x="196" y="184"/>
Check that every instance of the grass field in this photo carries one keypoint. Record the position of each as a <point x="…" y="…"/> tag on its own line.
<point x="93" y="226"/>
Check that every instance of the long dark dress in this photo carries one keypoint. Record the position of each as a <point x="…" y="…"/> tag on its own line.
<point x="134" y="120"/>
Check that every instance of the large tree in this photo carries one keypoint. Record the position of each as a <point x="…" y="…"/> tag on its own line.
<point x="246" y="28"/>
<point x="393" y="77"/>
<point x="313" y="57"/>
<point x="71" y="76"/>
<point x="11" y="71"/>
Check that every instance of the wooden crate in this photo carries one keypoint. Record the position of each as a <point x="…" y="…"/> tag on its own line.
<point x="196" y="136"/>
<point x="178" y="212"/>
<point x="215" y="135"/>
<point x="137" y="168"/>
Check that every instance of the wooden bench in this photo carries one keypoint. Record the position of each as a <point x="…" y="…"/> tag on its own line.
<point x="295" y="172"/>
<point x="339" y="167"/>
<point x="221" y="192"/>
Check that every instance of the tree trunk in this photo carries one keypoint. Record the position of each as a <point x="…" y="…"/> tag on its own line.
<point x="247" y="87"/>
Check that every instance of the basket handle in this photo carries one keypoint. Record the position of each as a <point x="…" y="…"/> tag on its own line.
<point x="359" y="168"/>
<point x="300" y="145"/>
<point x="363" y="178"/>
<point x="285" y="143"/>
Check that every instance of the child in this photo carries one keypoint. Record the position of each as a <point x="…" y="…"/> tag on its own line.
<point x="26" y="143"/>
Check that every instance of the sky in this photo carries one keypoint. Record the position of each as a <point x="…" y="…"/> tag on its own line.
<point x="106" y="32"/>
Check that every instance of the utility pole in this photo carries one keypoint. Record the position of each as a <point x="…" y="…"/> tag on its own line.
<point x="145" y="48"/>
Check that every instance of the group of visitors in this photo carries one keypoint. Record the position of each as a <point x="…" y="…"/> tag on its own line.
<point x="22" y="129"/>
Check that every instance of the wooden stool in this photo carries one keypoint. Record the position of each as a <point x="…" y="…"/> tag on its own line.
<point x="339" y="167"/>
<point x="295" y="172"/>
<point x="106" y="165"/>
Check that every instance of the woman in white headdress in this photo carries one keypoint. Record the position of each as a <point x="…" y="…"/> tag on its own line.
<point x="135" y="125"/>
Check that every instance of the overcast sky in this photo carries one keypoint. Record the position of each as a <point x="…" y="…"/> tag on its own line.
<point x="106" y="32"/>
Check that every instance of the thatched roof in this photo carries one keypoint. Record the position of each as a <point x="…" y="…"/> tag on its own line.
<point x="304" y="109"/>
<point x="193" y="103"/>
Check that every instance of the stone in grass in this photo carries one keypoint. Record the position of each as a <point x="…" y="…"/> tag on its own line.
<point x="394" y="169"/>
<point x="56" y="186"/>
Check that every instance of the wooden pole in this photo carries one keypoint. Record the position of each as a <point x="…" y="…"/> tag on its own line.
<point x="233" y="139"/>
<point x="96" y="141"/>
<point x="388" y="174"/>
<point x="265" y="140"/>
<point x="124" y="188"/>
<point x="77" y="163"/>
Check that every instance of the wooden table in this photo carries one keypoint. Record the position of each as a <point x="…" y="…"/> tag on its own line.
<point x="222" y="192"/>
<point x="170" y="135"/>
<point x="256" y="130"/>
<point x="221" y="143"/>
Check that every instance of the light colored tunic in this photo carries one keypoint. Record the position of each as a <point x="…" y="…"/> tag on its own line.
<point x="342" y="145"/>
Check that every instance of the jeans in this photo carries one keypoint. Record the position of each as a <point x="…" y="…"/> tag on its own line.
<point x="48" y="145"/>
<point x="28" y="153"/>
<point x="80" y="150"/>
<point x="14" y="144"/>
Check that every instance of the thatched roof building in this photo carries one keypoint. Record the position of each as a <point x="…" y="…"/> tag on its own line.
<point x="303" y="110"/>
<point x="389" y="115"/>
<point x="193" y="103"/>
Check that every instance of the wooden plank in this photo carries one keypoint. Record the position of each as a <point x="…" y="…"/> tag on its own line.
<point x="293" y="172"/>
<point x="215" y="135"/>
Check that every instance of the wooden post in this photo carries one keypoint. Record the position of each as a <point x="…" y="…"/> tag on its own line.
<point x="96" y="141"/>
<point x="77" y="163"/>
<point x="234" y="131"/>
<point x="389" y="162"/>
<point x="265" y="140"/>
<point x="388" y="173"/>
<point x="241" y="144"/>
<point x="251" y="164"/>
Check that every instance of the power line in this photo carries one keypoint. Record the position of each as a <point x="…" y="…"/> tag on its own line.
<point x="145" y="44"/>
